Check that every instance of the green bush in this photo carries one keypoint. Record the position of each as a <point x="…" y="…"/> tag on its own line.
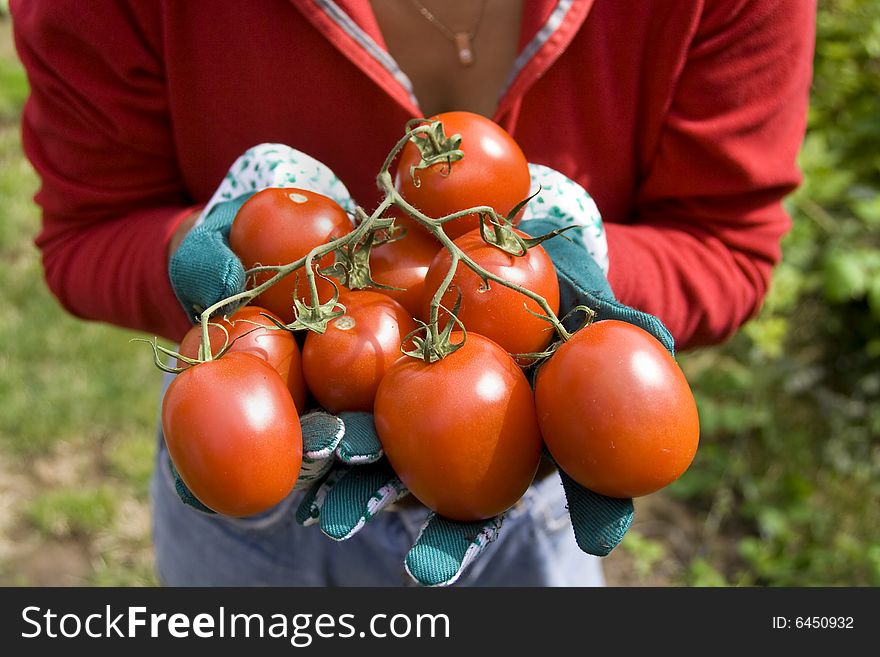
<point x="790" y="457"/>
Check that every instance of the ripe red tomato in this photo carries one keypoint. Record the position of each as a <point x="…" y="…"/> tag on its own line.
<point x="404" y="263"/>
<point x="343" y="365"/>
<point x="494" y="172"/>
<point x="616" y="412"/>
<point x="233" y="433"/>
<point x="277" y="226"/>
<point x="461" y="433"/>
<point x="498" y="312"/>
<point x="277" y="347"/>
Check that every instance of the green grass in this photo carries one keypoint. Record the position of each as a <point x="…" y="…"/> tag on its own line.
<point x="60" y="377"/>
<point x="73" y="513"/>
<point x="64" y="380"/>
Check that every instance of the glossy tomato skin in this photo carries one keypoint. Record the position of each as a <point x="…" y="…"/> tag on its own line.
<point x="278" y="226"/>
<point x="277" y="347"/>
<point x="461" y="433"/>
<point x="233" y="434"/>
<point x="616" y="411"/>
<point x="493" y="172"/>
<point x="344" y="365"/>
<point x="498" y="313"/>
<point x="404" y="264"/>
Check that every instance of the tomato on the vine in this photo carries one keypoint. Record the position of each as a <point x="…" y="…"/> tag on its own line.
<point x="616" y="411"/>
<point x="493" y="310"/>
<point x="403" y="263"/>
<point x="233" y="433"/>
<point x="344" y="365"/>
<point x="250" y="329"/>
<point x="461" y="433"/>
<point x="494" y="172"/>
<point x="278" y="226"/>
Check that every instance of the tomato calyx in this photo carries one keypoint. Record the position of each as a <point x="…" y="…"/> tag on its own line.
<point x="352" y="259"/>
<point x="436" y="344"/>
<point x="316" y="315"/>
<point x="434" y="147"/>
<point x="564" y="334"/>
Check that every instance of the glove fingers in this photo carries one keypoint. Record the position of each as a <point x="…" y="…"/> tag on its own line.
<point x="357" y="496"/>
<point x="599" y="522"/>
<point x="309" y="510"/>
<point x="359" y="444"/>
<point x="445" y="548"/>
<point x="321" y="434"/>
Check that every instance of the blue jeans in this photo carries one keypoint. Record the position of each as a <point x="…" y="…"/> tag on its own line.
<point x="535" y="547"/>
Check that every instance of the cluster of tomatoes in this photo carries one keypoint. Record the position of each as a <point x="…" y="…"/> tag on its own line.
<point x="463" y="428"/>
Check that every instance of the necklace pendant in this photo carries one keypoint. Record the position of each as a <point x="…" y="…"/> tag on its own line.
<point x="465" y="50"/>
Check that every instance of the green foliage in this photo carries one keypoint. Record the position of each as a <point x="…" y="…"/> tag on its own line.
<point x="64" y="381"/>
<point x="790" y="408"/>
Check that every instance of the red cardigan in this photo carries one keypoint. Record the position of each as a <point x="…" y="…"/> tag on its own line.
<point x="682" y="119"/>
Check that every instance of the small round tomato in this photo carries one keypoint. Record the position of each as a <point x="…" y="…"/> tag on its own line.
<point x="233" y="433"/>
<point x="493" y="310"/>
<point x="404" y="263"/>
<point x="461" y="433"/>
<point x="343" y="365"/>
<point x="250" y="329"/>
<point x="278" y="226"/>
<point x="493" y="172"/>
<point x="616" y="411"/>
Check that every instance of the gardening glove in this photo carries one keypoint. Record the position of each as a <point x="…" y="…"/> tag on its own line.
<point x="204" y="270"/>
<point x="580" y="256"/>
<point x="363" y="484"/>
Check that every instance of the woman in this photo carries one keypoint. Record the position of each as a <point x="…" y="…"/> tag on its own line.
<point x="683" y="121"/>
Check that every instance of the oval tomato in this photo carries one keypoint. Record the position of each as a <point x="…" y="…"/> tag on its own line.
<point x="278" y="226"/>
<point x="404" y="263"/>
<point x="616" y="411"/>
<point x="343" y="365"/>
<point x="493" y="172"/>
<point x="233" y="433"/>
<point x="277" y="347"/>
<point x="461" y="433"/>
<point x="495" y="311"/>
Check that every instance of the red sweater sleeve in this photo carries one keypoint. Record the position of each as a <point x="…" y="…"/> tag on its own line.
<point x="96" y="130"/>
<point x="709" y="217"/>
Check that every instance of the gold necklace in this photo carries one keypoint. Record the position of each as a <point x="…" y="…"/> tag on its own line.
<point x="463" y="41"/>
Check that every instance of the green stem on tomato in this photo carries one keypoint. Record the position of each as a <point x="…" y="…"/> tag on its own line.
<point x="435" y="227"/>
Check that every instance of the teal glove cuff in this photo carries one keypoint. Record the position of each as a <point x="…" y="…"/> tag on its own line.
<point x="346" y="479"/>
<point x="581" y="282"/>
<point x="204" y="269"/>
